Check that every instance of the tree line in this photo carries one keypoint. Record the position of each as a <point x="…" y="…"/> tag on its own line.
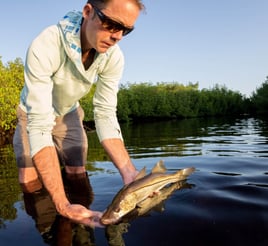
<point x="136" y="101"/>
<point x="174" y="100"/>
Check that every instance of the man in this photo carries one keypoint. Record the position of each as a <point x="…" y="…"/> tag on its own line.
<point x="61" y="65"/>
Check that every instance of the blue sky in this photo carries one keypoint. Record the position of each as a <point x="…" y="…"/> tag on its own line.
<point x="206" y="41"/>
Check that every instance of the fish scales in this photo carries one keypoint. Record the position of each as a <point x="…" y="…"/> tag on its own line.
<point x="141" y="188"/>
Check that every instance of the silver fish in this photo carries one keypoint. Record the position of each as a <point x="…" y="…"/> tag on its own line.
<point x="156" y="202"/>
<point x="142" y="187"/>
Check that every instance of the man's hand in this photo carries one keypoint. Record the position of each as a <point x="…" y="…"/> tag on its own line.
<point x="79" y="214"/>
<point x="128" y="175"/>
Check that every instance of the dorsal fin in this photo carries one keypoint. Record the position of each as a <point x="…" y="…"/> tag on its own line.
<point x="141" y="174"/>
<point x="159" y="167"/>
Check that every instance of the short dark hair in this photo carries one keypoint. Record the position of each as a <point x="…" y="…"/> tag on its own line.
<point x="103" y="3"/>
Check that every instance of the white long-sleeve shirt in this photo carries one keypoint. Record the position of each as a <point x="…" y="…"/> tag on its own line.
<point x="55" y="79"/>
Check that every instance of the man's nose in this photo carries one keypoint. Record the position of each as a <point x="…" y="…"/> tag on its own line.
<point x="117" y="35"/>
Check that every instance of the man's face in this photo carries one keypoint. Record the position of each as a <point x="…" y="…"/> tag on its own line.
<point x="94" y="32"/>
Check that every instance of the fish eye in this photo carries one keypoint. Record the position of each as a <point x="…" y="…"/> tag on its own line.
<point x="117" y="210"/>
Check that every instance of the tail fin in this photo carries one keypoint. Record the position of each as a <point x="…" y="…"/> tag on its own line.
<point x="184" y="173"/>
<point x="188" y="171"/>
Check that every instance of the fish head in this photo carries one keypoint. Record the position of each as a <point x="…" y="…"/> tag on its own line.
<point x="111" y="216"/>
<point x="122" y="204"/>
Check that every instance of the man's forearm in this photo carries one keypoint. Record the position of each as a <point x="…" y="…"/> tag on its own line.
<point x="47" y="165"/>
<point x="118" y="154"/>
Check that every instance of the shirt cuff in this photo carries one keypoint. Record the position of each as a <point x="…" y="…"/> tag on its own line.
<point x="108" y="128"/>
<point x="38" y="141"/>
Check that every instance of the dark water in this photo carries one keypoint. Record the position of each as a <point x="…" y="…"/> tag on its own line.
<point x="225" y="202"/>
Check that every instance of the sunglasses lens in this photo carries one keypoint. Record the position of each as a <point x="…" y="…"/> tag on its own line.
<point x="112" y="25"/>
<point x="116" y="27"/>
<point x="127" y="31"/>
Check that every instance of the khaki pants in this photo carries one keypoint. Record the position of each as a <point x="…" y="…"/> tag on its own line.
<point x="68" y="135"/>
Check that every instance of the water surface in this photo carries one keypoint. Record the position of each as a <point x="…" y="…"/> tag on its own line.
<point x="225" y="202"/>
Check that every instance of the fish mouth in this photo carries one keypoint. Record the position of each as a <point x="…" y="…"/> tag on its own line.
<point x="108" y="221"/>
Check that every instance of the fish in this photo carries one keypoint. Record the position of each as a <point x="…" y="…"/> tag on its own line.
<point x="144" y="186"/>
<point x="156" y="202"/>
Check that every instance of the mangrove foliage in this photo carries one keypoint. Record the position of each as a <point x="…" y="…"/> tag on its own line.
<point x="142" y="100"/>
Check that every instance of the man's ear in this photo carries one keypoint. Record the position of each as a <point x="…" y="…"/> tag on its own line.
<point x="88" y="11"/>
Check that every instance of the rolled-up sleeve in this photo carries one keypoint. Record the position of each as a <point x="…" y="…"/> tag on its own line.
<point x="105" y="98"/>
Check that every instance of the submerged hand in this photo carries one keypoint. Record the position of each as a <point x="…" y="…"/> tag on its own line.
<point x="82" y="215"/>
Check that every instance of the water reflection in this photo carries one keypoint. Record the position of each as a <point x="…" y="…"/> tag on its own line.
<point x="59" y="231"/>
<point x="55" y="229"/>
<point x="193" y="137"/>
<point x="9" y="187"/>
<point x="227" y="205"/>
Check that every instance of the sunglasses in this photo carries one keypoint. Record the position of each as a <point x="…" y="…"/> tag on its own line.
<point x="110" y="24"/>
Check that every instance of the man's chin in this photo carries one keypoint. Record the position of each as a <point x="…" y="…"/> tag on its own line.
<point x="100" y="51"/>
<point x="103" y="48"/>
